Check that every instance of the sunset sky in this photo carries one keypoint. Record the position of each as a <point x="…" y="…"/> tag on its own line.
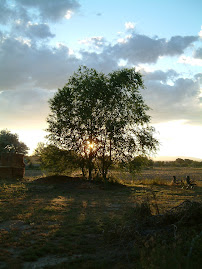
<point x="42" y="42"/>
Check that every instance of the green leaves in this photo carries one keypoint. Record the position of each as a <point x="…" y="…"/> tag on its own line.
<point x="56" y="160"/>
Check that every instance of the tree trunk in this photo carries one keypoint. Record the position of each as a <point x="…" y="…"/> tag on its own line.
<point x="90" y="169"/>
<point x="90" y="165"/>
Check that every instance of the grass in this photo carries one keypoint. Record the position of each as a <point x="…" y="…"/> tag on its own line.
<point x="69" y="223"/>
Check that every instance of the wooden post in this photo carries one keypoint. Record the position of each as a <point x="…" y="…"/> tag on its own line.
<point x="174" y="180"/>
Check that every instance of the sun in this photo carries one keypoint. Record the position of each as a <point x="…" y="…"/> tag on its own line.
<point x="91" y="146"/>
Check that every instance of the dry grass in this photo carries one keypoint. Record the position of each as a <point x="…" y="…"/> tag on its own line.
<point x="160" y="176"/>
<point x="59" y="222"/>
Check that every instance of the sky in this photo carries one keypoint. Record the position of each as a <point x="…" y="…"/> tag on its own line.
<point x="42" y="42"/>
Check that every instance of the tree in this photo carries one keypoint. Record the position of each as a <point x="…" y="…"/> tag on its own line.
<point x="138" y="163"/>
<point x="102" y="118"/>
<point x="39" y="149"/>
<point x="56" y="160"/>
<point x="10" y="143"/>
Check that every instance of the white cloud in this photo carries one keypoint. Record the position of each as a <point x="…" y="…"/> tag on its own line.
<point x="24" y="41"/>
<point x="122" y="63"/>
<point x="122" y="40"/>
<point x="200" y="33"/>
<point x="189" y="60"/>
<point x="69" y="14"/>
<point x="129" y="25"/>
<point x="93" y="42"/>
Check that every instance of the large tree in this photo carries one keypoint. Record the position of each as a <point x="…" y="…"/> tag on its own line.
<point x="102" y="118"/>
<point x="10" y="143"/>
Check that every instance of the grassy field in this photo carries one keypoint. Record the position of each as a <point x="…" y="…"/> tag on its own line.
<point x="61" y="222"/>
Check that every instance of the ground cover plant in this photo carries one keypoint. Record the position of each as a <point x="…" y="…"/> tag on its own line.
<point x="66" y="222"/>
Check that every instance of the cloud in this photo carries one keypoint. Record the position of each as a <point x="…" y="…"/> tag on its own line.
<point x="50" y="10"/>
<point x="94" y="42"/>
<point x="179" y="101"/>
<point x="24" y="106"/>
<point x="68" y="15"/>
<point x="24" y="61"/>
<point x="177" y="44"/>
<point x="190" y="60"/>
<point x="36" y="10"/>
<point x="10" y="13"/>
<point x="130" y="25"/>
<point x="28" y="61"/>
<point x="6" y="13"/>
<point x="38" y="31"/>
<point x="42" y="66"/>
<point x="200" y="33"/>
<point x="103" y="62"/>
<point x="159" y="75"/>
<point x="143" y="49"/>
<point x="31" y="30"/>
<point x="198" y="53"/>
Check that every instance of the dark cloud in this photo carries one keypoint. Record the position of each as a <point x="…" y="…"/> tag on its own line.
<point x="160" y="75"/>
<point x="179" y="100"/>
<point x="199" y="77"/>
<point x="50" y="10"/>
<point x="34" y="31"/>
<point x="198" y="53"/>
<point x="35" y="10"/>
<point x="103" y="62"/>
<point x="44" y="67"/>
<point x="177" y="44"/>
<point x="38" y="31"/>
<point x="10" y="13"/>
<point x="143" y="49"/>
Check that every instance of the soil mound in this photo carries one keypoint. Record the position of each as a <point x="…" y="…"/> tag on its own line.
<point x="59" y="180"/>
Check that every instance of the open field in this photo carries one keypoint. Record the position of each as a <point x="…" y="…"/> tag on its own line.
<point x="163" y="174"/>
<point x="60" y="222"/>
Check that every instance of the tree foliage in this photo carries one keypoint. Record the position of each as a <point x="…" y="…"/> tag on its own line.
<point x="55" y="160"/>
<point x="139" y="163"/>
<point x="10" y="143"/>
<point x="102" y="118"/>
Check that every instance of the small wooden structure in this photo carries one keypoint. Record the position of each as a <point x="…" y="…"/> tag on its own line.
<point x="12" y="165"/>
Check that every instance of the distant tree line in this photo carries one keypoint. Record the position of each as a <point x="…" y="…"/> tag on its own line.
<point x="179" y="163"/>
